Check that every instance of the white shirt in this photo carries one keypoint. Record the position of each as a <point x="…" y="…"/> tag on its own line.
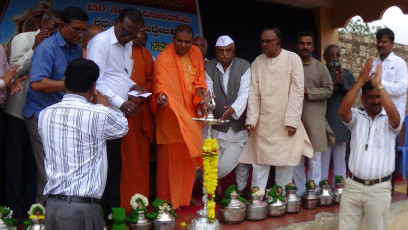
<point x="115" y="66"/>
<point x="21" y="53"/>
<point x="372" y="146"/>
<point x="73" y="133"/>
<point x="395" y="79"/>
<point x="239" y="104"/>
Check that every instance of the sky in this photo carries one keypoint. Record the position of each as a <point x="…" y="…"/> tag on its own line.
<point x="394" y="19"/>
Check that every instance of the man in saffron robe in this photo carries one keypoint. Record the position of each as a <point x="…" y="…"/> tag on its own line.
<point x="178" y="90"/>
<point x="136" y="143"/>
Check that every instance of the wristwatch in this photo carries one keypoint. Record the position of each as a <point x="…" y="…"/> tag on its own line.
<point x="380" y="87"/>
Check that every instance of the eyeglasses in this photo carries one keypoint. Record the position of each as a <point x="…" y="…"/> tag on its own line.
<point x="334" y="54"/>
<point x="267" y="41"/>
<point x="78" y="30"/>
<point x="125" y="33"/>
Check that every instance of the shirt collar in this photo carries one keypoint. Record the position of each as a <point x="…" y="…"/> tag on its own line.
<point x="74" y="97"/>
<point x="219" y="66"/>
<point x="390" y="56"/>
<point x="60" y="39"/>
<point x="114" y="39"/>
<point x="364" y="112"/>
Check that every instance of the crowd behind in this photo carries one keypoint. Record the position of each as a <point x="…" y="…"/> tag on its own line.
<point x="77" y="131"/>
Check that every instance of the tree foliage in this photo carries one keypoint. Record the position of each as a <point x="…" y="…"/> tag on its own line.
<point x="358" y="27"/>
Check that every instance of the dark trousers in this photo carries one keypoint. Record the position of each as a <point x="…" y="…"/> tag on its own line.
<point x="111" y="195"/>
<point x="19" y="166"/>
<point x="2" y="131"/>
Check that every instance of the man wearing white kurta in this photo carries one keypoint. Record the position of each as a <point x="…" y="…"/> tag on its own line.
<point x="277" y="136"/>
<point x="229" y="78"/>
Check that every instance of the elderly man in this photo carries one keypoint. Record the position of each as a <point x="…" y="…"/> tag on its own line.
<point x="50" y="59"/>
<point x="229" y="77"/>
<point x="111" y="50"/>
<point x="342" y="80"/>
<point x="367" y="192"/>
<point x="18" y="154"/>
<point x="136" y="144"/>
<point x="74" y="132"/>
<point x="201" y="43"/>
<point x="91" y="31"/>
<point x="178" y="90"/>
<point x="277" y="136"/>
<point x="318" y="88"/>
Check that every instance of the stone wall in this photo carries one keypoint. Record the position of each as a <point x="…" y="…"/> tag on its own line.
<point x="356" y="49"/>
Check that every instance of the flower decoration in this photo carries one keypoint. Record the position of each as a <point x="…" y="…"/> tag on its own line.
<point x="210" y="176"/>
<point x="255" y="191"/>
<point x="36" y="212"/>
<point x="310" y="185"/>
<point x="290" y="186"/>
<point x="6" y="216"/>
<point x="324" y="182"/>
<point x="274" y="194"/>
<point x="160" y="206"/>
<point x="138" y="203"/>
<point x="231" y="190"/>
<point x="183" y="224"/>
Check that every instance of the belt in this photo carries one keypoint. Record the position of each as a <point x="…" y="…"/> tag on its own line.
<point x="78" y="199"/>
<point x="370" y="182"/>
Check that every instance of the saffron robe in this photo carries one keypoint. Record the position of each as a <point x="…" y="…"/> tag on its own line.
<point x="178" y="136"/>
<point x="136" y="143"/>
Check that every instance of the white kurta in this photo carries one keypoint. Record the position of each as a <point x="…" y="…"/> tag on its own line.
<point x="275" y="101"/>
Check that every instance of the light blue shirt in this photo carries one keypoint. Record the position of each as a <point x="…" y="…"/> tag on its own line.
<point x="50" y="59"/>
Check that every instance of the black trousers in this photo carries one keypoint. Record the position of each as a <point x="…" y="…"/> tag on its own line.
<point x="20" y="172"/>
<point x="111" y="195"/>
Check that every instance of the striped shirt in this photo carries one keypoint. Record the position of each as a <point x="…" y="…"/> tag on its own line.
<point x="73" y="133"/>
<point x="372" y="146"/>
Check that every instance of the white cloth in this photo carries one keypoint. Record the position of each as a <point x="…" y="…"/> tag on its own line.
<point x="372" y="146"/>
<point x="239" y="104"/>
<point x="314" y="173"/>
<point x="371" y="202"/>
<point x="260" y="174"/>
<point x="21" y="53"/>
<point x="115" y="66"/>
<point x="73" y="133"/>
<point x="395" y="79"/>
<point x="224" y="41"/>
<point x="338" y="151"/>
<point x="4" y="66"/>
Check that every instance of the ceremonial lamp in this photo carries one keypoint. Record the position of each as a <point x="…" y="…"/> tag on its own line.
<point x="206" y="219"/>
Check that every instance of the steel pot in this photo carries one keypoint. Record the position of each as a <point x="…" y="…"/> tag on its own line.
<point x="293" y="201"/>
<point x="310" y="199"/>
<point x="277" y="208"/>
<point x="164" y="221"/>
<point x="337" y="191"/>
<point x="256" y="208"/>
<point x="325" y="196"/>
<point x="234" y="213"/>
<point x="142" y="224"/>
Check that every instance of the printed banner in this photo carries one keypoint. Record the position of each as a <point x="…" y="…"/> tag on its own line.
<point x="25" y="15"/>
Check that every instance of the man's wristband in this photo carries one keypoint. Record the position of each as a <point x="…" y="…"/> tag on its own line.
<point x="380" y="87"/>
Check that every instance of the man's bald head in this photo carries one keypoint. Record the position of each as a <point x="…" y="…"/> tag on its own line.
<point x="91" y="31"/>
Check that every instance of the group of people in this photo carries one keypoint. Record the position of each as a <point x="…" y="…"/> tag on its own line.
<point x="81" y="118"/>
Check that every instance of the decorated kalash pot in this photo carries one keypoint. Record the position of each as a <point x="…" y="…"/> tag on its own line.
<point x="203" y="221"/>
<point x="338" y="189"/>
<point x="165" y="218"/>
<point x="36" y="217"/>
<point x="256" y="208"/>
<point x="310" y="199"/>
<point x="276" y="201"/>
<point x="118" y="218"/>
<point x="325" y="194"/>
<point x="293" y="201"/>
<point x="233" y="206"/>
<point x="6" y="220"/>
<point x="138" y="218"/>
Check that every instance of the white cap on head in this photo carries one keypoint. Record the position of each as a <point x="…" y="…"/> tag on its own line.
<point x="224" y="41"/>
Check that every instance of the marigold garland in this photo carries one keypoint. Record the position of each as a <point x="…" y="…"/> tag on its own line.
<point x="210" y="162"/>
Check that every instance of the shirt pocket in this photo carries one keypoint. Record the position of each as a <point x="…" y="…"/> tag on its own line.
<point x="379" y="138"/>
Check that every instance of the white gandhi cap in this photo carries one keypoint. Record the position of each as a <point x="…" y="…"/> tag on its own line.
<point x="224" y="41"/>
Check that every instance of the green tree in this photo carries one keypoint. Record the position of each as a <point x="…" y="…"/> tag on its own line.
<point x="358" y="27"/>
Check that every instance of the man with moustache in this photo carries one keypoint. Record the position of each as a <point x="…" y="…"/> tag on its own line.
<point x="229" y="78"/>
<point x="178" y="95"/>
<point x="18" y="155"/>
<point x="318" y="88"/>
<point x="111" y="50"/>
<point x="367" y="191"/>
<point x="49" y="62"/>
<point x="276" y="133"/>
